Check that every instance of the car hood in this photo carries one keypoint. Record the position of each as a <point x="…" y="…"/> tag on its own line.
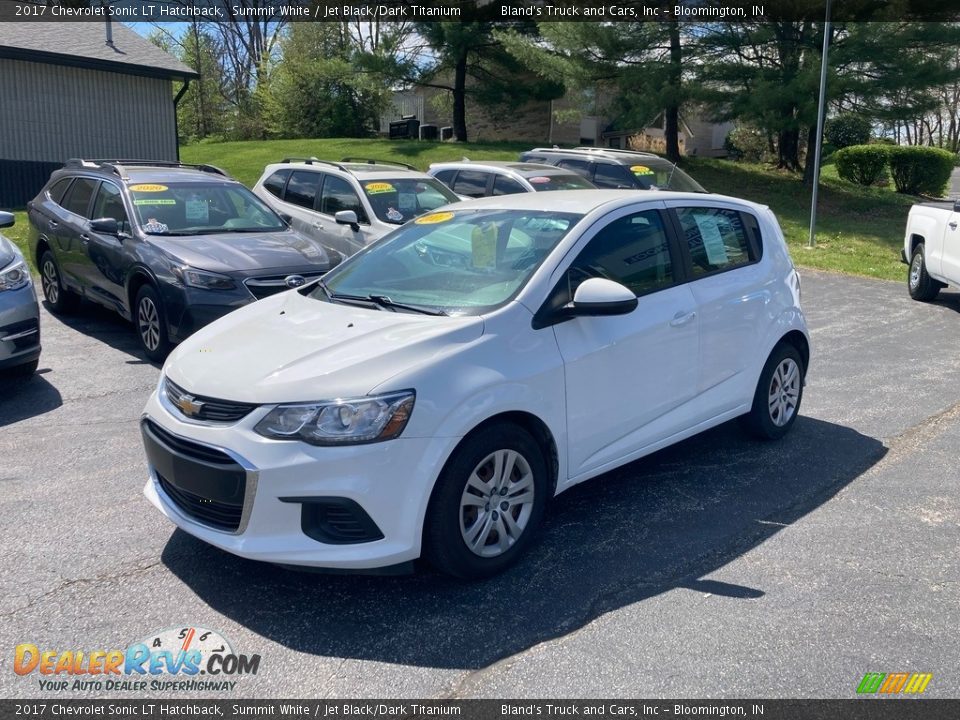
<point x="291" y="348"/>
<point x="8" y="252"/>
<point x="226" y="252"/>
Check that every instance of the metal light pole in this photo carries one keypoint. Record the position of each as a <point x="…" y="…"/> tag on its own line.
<point x="821" y="111"/>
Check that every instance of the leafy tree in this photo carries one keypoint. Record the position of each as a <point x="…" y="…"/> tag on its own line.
<point x="847" y="129"/>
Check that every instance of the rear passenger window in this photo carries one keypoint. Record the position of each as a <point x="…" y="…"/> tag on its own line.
<point x="633" y="251"/>
<point x="77" y="199"/>
<point x="303" y="188"/>
<point x="339" y="195"/>
<point x="581" y="167"/>
<point x="503" y="185"/>
<point x="58" y="189"/>
<point x="471" y="183"/>
<point x="614" y="176"/>
<point x="274" y="184"/>
<point x="717" y="239"/>
<point x="445" y="176"/>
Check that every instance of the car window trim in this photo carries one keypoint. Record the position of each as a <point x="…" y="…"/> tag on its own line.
<point x="755" y="259"/>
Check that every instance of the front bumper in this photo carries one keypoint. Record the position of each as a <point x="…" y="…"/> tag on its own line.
<point x="19" y="327"/>
<point x="390" y="481"/>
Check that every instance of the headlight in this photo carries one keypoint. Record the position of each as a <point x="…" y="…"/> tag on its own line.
<point x="203" y="279"/>
<point x="15" y="276"/>
<point x="341" y="422"/>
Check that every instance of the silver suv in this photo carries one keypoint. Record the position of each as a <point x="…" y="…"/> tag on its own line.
<point x="347" y="205"/>
<point x="617" y="169"/>
<point x="490" y="177"/>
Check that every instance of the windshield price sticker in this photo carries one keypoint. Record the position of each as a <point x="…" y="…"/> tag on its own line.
<point x="434" y="218"/>
<point x="641" y="170"/>
<point x="148" y="188"/>
<point x="379" y="187"/>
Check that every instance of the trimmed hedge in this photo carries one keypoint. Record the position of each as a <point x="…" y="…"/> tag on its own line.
<point x="847" y="130"/>
<point x="862" y="164"/>
<point x="920" y="170"/>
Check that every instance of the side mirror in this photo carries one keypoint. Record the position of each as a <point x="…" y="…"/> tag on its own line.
<point x="599" y="296"/>
<point x="347" y="217"/>
<point x="956" y="208"/>
<point x="105" y="226"/>
<point x="7" y="219"/>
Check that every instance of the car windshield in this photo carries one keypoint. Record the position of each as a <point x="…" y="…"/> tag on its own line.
<point x="397" y="200"/>
<point x="452" y="262"/>
<point x="200" y="209"/>
<point x="570" y="181"/>
<point x="657" y="174"/>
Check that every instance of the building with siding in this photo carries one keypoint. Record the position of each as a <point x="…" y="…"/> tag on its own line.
<point x="80" y="89"/>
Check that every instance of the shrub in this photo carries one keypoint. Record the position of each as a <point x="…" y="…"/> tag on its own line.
<point x="920" y="170"/>
<point x="846" y="130"/>
<point x="748" y="144"/>
<point x="862" y="164"/>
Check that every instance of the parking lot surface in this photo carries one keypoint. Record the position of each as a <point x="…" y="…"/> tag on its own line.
<point x="719" y="567"/>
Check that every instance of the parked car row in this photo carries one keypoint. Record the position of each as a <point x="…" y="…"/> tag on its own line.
<point x="467" y="361"/>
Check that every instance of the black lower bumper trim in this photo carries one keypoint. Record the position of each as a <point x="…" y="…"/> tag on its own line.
<point x="335" y="520"/>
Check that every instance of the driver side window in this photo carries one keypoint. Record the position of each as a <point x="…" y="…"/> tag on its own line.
<point x="633" y="251"/>
<point x="109" y="204"/>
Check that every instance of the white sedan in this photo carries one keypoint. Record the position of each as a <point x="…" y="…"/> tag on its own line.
<point x="432" y="393"/>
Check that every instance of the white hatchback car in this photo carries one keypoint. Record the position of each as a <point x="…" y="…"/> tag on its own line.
<point x="347" y="205"/>
<point x="431" y="394"/>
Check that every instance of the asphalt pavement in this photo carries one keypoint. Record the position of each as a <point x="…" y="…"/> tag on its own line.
<point x="719" y="567"/>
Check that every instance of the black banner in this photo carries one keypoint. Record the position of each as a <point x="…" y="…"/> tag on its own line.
<point x="161" y="11"/>
<point x="855" y="709"/>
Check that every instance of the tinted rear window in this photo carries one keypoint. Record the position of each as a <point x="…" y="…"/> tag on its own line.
<point x="77" y="199"/>
<point x="274" y="184"/>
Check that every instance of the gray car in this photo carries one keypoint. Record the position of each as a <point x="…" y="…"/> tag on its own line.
<point x="19" y="312"/>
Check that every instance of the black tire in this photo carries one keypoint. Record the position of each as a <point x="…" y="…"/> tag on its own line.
<point x="25" y="370"/>
<point x="771" y="419"/>
<point x="922" y="287"/>
<point x="449" y="522"/>
<point x="150" y="322"/>
<point x="59" y="299"/>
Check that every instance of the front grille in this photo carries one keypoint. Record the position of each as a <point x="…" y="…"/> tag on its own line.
<point x="267" y="285"/>
<point x="211" y="409"/>
<point x="30" y="339"/>
<point x="196" y="451"/>
<point x="224" y="516"/>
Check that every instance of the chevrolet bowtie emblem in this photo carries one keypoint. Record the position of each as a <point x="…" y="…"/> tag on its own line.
<point x="188" y="405"/>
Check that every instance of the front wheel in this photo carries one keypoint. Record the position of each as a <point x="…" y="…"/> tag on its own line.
<point x="776" y="401"/>
<point x="922" y="287"/>
<point x="151" y="323"/>
<point x="488" y="503"/>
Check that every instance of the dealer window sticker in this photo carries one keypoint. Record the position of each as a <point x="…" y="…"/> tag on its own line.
<point x="641" y="170"/>
<point x="155" y="201"/>
<point x="712" y="239"/>
<point x="434" y="218"/>
<point x="147" y="187"/>
<point x="197" y="210"/>
<point x="378" y="188"/>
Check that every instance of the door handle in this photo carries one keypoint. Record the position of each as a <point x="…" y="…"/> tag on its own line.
<point x="683" y="318"/>
<point x="52" y="224"/>
<point x="953" y="225"/>
<point x="85" y="239"/>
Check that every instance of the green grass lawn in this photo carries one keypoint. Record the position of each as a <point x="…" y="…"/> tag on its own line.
<point x="859" y="230"/>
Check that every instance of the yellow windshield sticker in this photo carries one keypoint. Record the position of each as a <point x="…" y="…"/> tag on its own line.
<point x="155" y="201"/>
<point x="148" y="188"/>
<point x="641" y="170"/>
<point x="434" y="218"/>
<point x="379" y="187"/>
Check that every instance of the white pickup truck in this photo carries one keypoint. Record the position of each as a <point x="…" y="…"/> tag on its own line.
<point x="931" y="246"/>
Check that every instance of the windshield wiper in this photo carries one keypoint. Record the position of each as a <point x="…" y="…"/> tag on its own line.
<point x="380" y="301"/>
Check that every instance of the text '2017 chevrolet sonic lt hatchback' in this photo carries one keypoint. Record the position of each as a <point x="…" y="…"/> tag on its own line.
<point x="433" y="392"/>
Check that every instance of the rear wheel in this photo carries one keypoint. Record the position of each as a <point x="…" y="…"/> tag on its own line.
<point x="151" y="323"/>
<point x="776" y="401"/>
<point x="488" y="503"/>
<point x="58" y="297"/>
<point x="922" y="287"/>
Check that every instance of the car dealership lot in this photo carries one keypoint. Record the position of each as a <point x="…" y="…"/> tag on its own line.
<point x="721" y="566"/>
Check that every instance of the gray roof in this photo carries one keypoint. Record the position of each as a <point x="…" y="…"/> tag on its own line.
<point x="83" y="44"/>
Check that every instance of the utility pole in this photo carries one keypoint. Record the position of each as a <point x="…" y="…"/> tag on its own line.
<point x="821" y="112"/>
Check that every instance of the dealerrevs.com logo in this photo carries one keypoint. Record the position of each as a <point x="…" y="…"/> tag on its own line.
<point x="177" y="659"/>
<point x="894" y="683"/>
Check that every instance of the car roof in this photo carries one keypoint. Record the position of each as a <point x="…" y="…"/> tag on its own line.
<point x="583" y="202"/>
<point x="143" y="172"/>
<point x="612" y="155"/>
<point x="524" y="169"/>
<point x="360" y="170"/>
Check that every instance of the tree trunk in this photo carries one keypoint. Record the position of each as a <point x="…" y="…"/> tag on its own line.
<point x="671" y="125"/>
<point x="460" y="99"/>
<point x="788" y="147"/>
<point x="811" y="156"/>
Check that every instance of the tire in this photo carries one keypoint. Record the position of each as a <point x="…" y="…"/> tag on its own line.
<point x="461" y="513"/>
<point x="922" y="287"/>
<point x="150" y="322"/>
<point x="59" y="299"/>
<point x="776" y="402"/>
<point x="25" y="370"/>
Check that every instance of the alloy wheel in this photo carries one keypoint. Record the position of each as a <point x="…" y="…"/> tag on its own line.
<point x="148" y="322"/>
<point x="915" y="268"/>
<point x="784" y="392"/>
<point x="50" y="282"/>
<point x="496" y="503"/>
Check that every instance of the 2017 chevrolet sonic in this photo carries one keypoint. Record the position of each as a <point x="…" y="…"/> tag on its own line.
<point x="433" y="392"/>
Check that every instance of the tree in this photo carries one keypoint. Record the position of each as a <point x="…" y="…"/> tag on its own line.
<point x="637" y="67"/>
